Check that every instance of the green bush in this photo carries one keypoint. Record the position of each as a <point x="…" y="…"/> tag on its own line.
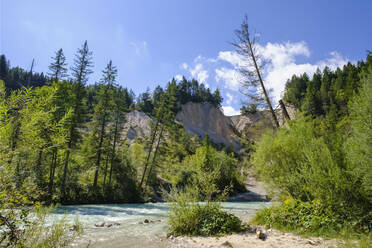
<point x="324" y="166"/>
<point x="24" y="223"/>
<point x="192" y="218"/>
<point x="208" y="167"/>
<point x="304" y="217"/>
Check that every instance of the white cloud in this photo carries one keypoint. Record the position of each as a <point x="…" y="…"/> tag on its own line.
<point x="231" y="57"/>
<point x="178" y="77"/>
<point x="184" y="66"/>
<point x="140" y="48"/>
<point x="282" y="66"/>
<point x="199" y="73"/>
<point x="230" y="77"/>
<point x="229" y="99"/>
<point x="230" y="111"/>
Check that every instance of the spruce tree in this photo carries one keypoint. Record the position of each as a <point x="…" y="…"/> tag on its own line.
<point x="252" y="83"/>
<point x="165" y="113"/>
<point x="58" y="70"/>
<point x="102" y="112"/>
<point x="119" y="109"/>
<point x="80" y="72"/>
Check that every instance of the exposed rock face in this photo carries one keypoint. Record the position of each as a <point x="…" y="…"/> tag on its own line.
<point x="202" y="119"/>
<point x="251" y="126"/>
<point x="137" y="125"/>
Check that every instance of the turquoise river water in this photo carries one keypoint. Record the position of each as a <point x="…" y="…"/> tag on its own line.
<point x="132" y="231"/>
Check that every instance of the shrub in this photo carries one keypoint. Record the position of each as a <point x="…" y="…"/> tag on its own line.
<point x="188" y="217"/>
<point x="324" y="166"/>
<point x="24" y="225"/>
<point x="304" y="217"/>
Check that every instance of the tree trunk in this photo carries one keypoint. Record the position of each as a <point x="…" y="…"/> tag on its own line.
<point x="39" y="174"/>
<point x="113" y="148"/>
<point x="52" y="171"/>
<point x="262" y="85"/>
<point x="63" y="187"/>
<point x="106" y="164"/>
<point x="154" y="157"/>
<point x="149" y="154"/>
<point x="99" y="152"/>
<point x="284" y="109"/>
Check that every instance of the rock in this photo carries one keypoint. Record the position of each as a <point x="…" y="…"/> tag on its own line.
<point x="137" y="125"/>
<point x="312" y="242"/>
<point x="74" y="228"/>
<point x="200" y="119"/>
<point x="117" y="224"/>
<point x="227" y="244"/>
<point x="99" y="224"/>
<point x="146" y="221"/>
<point x="109" y="225"/>
<point x="251" y="229"/>
<point x="261" y="234"/>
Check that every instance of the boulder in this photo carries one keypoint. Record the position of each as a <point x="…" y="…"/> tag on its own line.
<point x="99" y="224"/>
<point x="261" y="234"/>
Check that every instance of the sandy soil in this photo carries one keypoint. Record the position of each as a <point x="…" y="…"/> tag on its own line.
<point x="275" y="239"/>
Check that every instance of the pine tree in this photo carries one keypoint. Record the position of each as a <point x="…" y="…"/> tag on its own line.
<point x="4" y="68"/>
<point x="58" y="70"/>
<point x="165" y="113"/>
<point x="246" y="47"/>
<point x="80" y="71"/>
<point x="119" y="110"/>
<point x="102" y="112"/>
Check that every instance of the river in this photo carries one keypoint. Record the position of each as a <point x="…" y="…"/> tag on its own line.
<point x="128" y="228"/>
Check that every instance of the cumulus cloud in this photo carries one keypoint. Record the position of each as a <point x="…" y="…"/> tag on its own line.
<point x="282" y="58"/>
<point x="199" y="73"/>
<point x="178" y="77"/>
<point x="230" y="78"/>
<point x="229" y="99"/>
<point x="283" y="64"/>
<point x="184" y="66"/>
<point x="230" y="111"/>
<point x="231" y="57"/>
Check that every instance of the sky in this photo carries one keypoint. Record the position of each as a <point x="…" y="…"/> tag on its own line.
<point x="150" y="42"/>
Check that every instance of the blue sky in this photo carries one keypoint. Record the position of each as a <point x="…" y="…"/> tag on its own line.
<point x="152" y="41"/>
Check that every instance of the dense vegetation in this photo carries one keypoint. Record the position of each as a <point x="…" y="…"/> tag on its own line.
<point x="23" y="221"/>
<point x="320" y="163"/>
<point x="64" y="137"/>
<point x="61" y="141"/>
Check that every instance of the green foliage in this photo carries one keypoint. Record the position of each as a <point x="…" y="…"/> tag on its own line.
<point x="184" y="91"/>
<point x="328" y="91"/>
<point x="324" y="166"/>
<point x="24" y="225"/>
<point x="303" y="217"/>
<point x="16" y="78"/>
<point x="188" y="217"/>
<point x="251" y="109"/>
<point x="208" y="168"/>
<point x="358" y="146"/>
<point x="58" y="234"/>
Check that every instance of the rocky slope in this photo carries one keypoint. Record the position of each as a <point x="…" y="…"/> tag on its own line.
<point x="201" y="119"/>
<point x="251" y="126"/>
<point x="137" y="125"/>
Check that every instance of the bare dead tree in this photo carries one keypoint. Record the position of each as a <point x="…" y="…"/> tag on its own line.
<point x="251" y="66"/>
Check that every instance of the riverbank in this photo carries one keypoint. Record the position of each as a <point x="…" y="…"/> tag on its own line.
<point x="274" y="238"/>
